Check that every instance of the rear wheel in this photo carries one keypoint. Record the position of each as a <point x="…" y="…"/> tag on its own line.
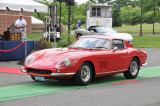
<point x="84" y="74"/>
<point x="133" y="69"/>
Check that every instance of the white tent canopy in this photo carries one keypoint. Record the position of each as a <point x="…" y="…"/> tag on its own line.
<point x="26" y="5"/>
<point x="36" y="21"/>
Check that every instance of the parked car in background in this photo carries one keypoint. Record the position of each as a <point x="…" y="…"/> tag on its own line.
<point x="105" y="31"/>
<point x="87" y="58"/>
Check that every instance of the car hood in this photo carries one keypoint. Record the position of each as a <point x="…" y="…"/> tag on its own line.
<point x="124" y="36"/>
<point x="51" y="57"/>
<point x="80" y="29"/>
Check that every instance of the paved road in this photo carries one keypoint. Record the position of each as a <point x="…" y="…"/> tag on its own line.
<point x="143" y="93"/>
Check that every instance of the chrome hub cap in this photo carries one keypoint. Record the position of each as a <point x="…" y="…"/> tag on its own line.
<point x="85" y="73"/>
<point x="134" y="68"/>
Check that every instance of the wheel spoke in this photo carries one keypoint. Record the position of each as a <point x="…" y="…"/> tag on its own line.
<point x="85" y="73"/>
<point x="134" y="68"/>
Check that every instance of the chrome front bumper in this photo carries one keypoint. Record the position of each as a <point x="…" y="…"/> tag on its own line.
<point x="23" y="70"/>
<point x="52" y="74"/>
<point x="61" y="74"/>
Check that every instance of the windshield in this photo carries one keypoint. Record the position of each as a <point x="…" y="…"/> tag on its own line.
<point x="91" y="43"/>
<point x="105" y="30"/>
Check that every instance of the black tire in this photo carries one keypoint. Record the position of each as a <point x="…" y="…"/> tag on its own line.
<point x="84" y="74"/>
<point x="133" y="69"/>
<point x="79" y="35"/>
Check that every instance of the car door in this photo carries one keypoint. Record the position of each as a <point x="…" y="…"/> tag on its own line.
<point x="119" y="56"/>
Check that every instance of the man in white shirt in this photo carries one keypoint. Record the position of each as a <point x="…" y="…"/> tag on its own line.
<point x="21" y="25"/>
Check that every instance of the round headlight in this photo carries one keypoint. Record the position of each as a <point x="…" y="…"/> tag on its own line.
<point x="63" y="63"/>
<point x="29" y="59"/>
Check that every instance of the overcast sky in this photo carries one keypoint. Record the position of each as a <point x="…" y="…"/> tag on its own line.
<point x="81" y="1"/>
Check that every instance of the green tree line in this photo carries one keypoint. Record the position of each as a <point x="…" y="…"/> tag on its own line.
<point x="124" y="11"/>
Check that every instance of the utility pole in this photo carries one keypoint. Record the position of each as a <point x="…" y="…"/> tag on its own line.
<point x="60" y="1"/>
<point x="141" y="18"/>
<point x="60" y="19"/>
<point x="69" y="3"/>
<point x="154" y="18"/>
<point x="69" y="23"/>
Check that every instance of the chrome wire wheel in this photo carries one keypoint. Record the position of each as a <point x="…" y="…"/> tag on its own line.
<point x="134" y="68"/>
<point x="85" y="73"/>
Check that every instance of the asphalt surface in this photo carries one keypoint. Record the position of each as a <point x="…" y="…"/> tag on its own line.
<point x="142" y="93"/>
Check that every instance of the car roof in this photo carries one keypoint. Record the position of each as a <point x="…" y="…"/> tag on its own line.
<point x="102" y="37"/>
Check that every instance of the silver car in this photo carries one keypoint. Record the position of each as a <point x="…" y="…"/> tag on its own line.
<point x="105" y="31"/>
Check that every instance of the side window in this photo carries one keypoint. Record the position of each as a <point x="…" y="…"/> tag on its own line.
<point x="118" y="43"/>
<point x="90" y="28"/>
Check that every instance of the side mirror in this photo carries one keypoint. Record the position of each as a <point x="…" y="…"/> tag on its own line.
<point x="115" y="48"/>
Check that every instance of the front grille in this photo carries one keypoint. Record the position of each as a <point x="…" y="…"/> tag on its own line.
<point x="36" y="71"/>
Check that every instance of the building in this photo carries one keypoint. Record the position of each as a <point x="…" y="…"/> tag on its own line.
<point x="99" y="15"/>
<point x="9" y="10"/>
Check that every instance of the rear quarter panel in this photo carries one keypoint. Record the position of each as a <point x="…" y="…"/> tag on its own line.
<point x="133" y="52"/>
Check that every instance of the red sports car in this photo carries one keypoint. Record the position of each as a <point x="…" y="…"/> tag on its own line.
<point x="87" y="58"/>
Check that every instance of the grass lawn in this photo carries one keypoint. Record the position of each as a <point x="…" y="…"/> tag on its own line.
<point x="147" y="31"/>
<point x="146" y="42"/>
<point x="144" y="31"/>
<point x="137" y="26"/>
<point x="34" y="36"/>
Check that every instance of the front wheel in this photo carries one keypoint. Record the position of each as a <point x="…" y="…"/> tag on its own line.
<point x="84" y="74"/>
<point x="133" y="69"/>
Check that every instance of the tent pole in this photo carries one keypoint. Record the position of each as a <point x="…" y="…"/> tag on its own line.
<point x="55" y="26"/>
<point x="46" y="27"/>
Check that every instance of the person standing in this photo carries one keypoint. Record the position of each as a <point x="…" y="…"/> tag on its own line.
<point x="21" y="25"/>
<point x="79" y="24"/>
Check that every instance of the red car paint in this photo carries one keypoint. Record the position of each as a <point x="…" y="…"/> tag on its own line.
<point x="104" y="62"/>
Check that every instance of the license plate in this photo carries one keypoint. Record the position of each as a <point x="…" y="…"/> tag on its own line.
<point x="39" y="78"/>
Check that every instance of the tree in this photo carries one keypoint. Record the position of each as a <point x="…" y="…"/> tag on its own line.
<point x="151" y="5"/>
<point x="117" y="21"/>
<point x="121" y="3"/>
<point x="130" y="16"/>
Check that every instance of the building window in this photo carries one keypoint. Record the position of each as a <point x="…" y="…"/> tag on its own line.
<point x="96" y="12"/>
